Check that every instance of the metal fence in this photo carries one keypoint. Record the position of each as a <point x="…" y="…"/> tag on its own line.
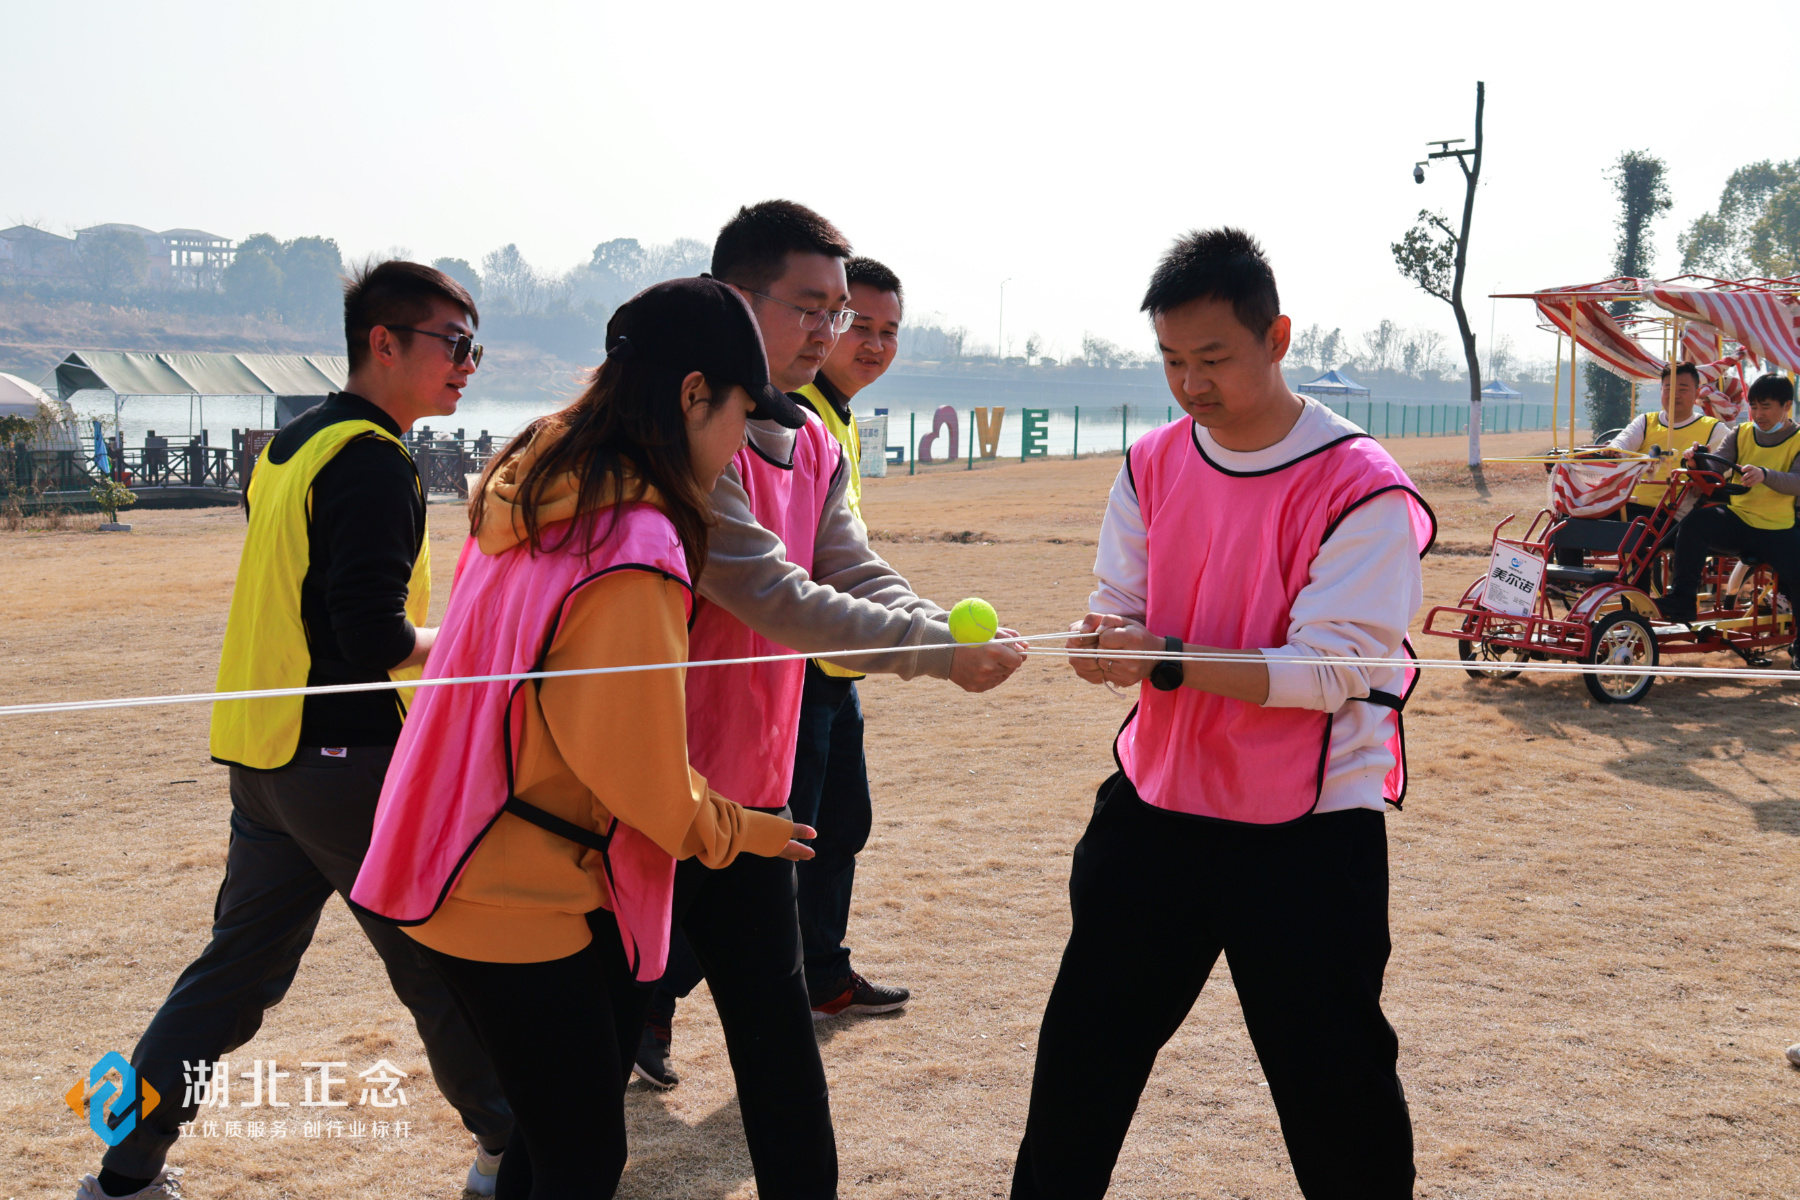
<point x="1087" y="429"/>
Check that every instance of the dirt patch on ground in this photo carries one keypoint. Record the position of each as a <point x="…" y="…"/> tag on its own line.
<point x="1594" y="909"/>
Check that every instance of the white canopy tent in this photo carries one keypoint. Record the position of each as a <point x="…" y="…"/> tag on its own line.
<point x="22" y="398"/>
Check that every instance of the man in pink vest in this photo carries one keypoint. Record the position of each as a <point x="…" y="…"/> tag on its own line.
<point x="1247" y="814"/>
<point x="788" y="569"/>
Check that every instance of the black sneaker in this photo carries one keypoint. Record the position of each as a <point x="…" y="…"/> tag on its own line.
<point x="652" y="1064"/>
<point x="1680" y="610"/>
<point x="859" y="997"/>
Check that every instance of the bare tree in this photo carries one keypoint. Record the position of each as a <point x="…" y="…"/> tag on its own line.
<point x="1501" y="358"/>
<point x="510" y="282"/>
<point x="1380" y="344"/>
<point x="1331" y="350"/>
<point x="1436" y="258"/>
<point x="1303" y="352"/>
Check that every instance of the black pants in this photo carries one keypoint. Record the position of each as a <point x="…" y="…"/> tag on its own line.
<point x="737" y="927"/>
<point x="297" y="835"/>
<point x="1715" y="529"/>
<point x="1300" y="912"/>
<point x="830" y="793"/>
<point x="556" y="1033"/>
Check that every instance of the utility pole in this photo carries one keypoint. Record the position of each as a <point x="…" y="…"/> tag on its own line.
<point x="1425" y="261"/>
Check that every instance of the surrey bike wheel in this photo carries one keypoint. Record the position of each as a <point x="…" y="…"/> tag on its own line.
<point x="1485" y="659"/>
<point x="1621" y="639"/>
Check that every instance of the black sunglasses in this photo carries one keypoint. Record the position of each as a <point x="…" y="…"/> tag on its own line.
<point x="462" y="346"/>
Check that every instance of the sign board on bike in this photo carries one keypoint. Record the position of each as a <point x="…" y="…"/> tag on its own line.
<point x="1514" y="579"/>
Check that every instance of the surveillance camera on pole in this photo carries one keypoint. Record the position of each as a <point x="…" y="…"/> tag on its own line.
<point x="1435" y="255"/>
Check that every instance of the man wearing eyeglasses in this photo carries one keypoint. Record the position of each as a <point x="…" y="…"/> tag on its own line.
<point x="333" y="588"/>
<point x="788" y="568"/>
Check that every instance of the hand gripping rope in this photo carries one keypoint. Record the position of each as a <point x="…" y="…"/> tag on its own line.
<point x="1423" y="664"/>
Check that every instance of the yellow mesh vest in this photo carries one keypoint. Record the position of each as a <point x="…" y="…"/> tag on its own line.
<point x="1653" y="485"/>
<point x="1762" y="506"/>
<point x="845" y="433"/>
<point x="265" y="641"/>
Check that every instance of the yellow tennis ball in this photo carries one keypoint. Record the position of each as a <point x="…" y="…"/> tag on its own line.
<point x="973" y="620"/>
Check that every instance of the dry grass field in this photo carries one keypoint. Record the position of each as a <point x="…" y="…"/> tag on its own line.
<point x="1596" y="911"/>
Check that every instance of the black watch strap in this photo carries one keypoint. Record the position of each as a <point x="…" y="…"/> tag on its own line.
<point x="1167" y="675"/>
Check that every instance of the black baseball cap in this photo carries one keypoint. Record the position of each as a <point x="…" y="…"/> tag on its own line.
<point x="702" y="324"/>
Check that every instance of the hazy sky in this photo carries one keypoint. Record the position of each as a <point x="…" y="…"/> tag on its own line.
<point x="1060" y="146"/>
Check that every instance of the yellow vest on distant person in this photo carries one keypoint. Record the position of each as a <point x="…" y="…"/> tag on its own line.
<point x="1653" y="485"/>
<point x="1762" y="507"/>
<point x="845" y="433"/>
<point x="265" y="640"/>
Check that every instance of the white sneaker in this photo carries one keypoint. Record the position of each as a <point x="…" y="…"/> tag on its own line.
<point x="166" y="1186"/>
<point x="1793" y="1054"/>
<point x="483" y="1173"/>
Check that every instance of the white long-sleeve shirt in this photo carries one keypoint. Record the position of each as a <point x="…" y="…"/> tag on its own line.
<point x="1362" y="592"/>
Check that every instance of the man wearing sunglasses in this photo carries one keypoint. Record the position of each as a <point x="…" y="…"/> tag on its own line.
<point x="332" y="588"/>
<point x="788" y="567"/>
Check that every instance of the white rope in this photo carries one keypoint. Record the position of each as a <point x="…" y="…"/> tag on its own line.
<point x="1483" y="666"/>
<point x="393" y="685"/>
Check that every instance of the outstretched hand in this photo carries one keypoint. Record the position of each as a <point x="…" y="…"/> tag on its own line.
<point x="979" y="666"/>
<point x="1103" y="631"/>
<point x="794" y="851"/>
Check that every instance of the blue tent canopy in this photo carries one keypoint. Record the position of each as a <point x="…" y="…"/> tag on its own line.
<point x="1499" y="391"/>
<point x="1334" y="383"/>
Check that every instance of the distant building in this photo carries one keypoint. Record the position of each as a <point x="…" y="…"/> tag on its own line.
<point x="27" y="252"/>
<point x="186" y="258"/>
<point x="174" y="258"/>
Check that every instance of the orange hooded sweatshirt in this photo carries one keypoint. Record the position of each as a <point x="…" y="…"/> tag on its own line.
<point x="594" y="747"/>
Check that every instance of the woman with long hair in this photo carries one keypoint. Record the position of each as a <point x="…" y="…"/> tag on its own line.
<point x="528" y="831"/>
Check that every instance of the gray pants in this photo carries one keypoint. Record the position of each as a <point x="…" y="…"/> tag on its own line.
<point x="297" y="835"/>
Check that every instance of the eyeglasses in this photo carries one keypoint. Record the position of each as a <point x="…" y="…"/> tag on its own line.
<point x="462" y="346"/>
<point x="814" y="318"/>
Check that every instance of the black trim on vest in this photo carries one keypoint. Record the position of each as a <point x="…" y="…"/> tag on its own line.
<point x="797" y="398"/>
<point x="1194" y="438"/>
<point x="1751" y="426"/>
<point x="1382" y="491"/>
<point x="522" y="809"/>
<point x="757" y="450"/>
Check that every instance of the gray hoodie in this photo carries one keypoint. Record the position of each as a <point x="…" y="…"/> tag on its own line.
<point x="851" y="601"/>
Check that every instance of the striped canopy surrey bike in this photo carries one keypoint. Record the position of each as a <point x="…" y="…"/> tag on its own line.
<point x="1602" y="572"/>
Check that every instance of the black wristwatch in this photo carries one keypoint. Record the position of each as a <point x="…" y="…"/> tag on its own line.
<point x="1167" y="675"/>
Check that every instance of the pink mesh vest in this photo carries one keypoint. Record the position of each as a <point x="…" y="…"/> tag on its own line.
<point x="1228" y="553"/>
<point x="743" y="721"/>
<point x="452" y="773"/>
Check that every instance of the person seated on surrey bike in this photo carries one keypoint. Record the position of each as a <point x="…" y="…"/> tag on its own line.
<point x="1667" y="434"/>
<point x="1679" y="427"/>
<point x="1761" y="521"/>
